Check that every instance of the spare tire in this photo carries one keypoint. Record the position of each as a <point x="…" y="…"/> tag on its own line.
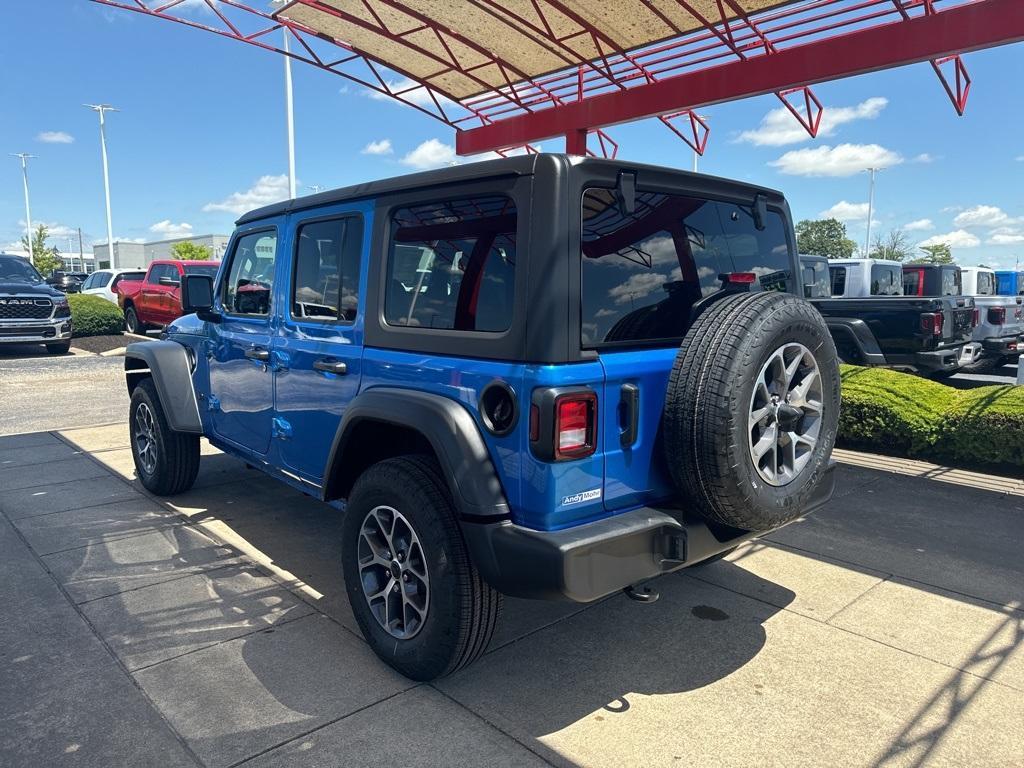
<point x="752" y="409"/>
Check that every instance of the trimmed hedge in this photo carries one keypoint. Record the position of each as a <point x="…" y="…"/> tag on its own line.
<point x="94" y="316"/>
<point x="890" y="412"/>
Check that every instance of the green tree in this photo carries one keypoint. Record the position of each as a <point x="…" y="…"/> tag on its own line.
<point x="46" y="260"/>
<point x="895" y="246"/>
<point x="939" y="253"/>
<point x="188" y="251"/>
<point x="824" y="237"/>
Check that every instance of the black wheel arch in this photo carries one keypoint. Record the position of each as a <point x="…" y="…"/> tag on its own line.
<point x="386" y="421"/>
<point x="170" y="366"/>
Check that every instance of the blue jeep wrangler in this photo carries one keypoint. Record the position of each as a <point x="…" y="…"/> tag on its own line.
<point x="542" y="376"/>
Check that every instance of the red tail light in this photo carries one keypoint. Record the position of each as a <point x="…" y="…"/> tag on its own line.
<point x="996" y="315"/>
<point x="931" y="323"/>
<point x="738" y="278"/>
<point x="575" y="425"/>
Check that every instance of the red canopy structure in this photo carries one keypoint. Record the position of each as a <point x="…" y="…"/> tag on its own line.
<point x="507" y="74"/>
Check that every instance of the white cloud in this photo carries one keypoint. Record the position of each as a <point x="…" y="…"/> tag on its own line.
<point x="266" y="190"/>
<point x="121" y="240"/>
<point x="959" y="239"/>
<point x="55" y="137"/>
<point x="844" y="211"/>
<point x="779" y="127"/>
<point x="841" y="160"/>
<point x="430" y="154"/>
<point x="52" y="227"/>
<point x="382" y="147"/>
<point x="170" y="231"/>
<point x="982" y="216"/>
<point x="919" y="225"/>
<point x="1006" y="238"/>
<point x="1020" y="158"/>
<point x="924" y="157"/>
<point x="412" y="92"/>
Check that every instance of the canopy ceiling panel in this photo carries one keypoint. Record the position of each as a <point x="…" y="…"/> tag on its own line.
<point x="470" y="47"/>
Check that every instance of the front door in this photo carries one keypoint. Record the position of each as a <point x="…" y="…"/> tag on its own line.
<point x="317" y="354"/>
<point x="241" y="383"/>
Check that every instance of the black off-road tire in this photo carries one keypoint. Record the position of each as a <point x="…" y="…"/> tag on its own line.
<point x="463" y="609"/>
<point x="177" y="453"/>
<point x="59" y="349"/>
<point x="132" y="324"/>
<point x="705" y="424"/>
<point x="986" y="364"/>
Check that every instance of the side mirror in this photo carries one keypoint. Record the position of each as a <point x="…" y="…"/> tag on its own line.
<point x="197" y="296"/>
<point x="165" y="280"/>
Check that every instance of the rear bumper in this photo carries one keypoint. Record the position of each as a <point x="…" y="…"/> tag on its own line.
<point x="44" y="331"/>
<point x="1004" y="345"/>
<point x="589" y="561"/>
<point x="938" y="360"/>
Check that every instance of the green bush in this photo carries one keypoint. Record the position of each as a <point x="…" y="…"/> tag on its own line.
<point x="94" y="316"/>
<point x="890" y="412"/>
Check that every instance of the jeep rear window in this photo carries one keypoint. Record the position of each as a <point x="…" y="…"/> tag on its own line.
<point x="986" y="284"/>
<point x="451" y="265"/>
<point x="886" y="280"/>
<point x="643" y="272"/>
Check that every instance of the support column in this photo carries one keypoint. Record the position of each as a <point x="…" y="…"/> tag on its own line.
<point x="576" y="142"/>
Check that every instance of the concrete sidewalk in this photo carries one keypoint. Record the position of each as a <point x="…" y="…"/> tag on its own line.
<point x="213" y="629"/>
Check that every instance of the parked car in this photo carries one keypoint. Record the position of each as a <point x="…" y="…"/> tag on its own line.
<point x="856" y="278"/>
<point x="1000" y="328"/>
<point x="155" y="299"/>
<point x="104" y="282"/>
<point x="64" y="282"/>
<point x="541" y="376"/>
<point x="31" y="311"/>
<point x="909" y="333"/>
<point x="1009" y="282"/>
<point x="816" y="278"/>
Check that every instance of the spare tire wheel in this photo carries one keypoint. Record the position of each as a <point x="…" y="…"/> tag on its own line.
<point x="752" y="409"/>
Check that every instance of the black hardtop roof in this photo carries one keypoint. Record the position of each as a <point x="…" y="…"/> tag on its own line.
<point x="521" y="165"/>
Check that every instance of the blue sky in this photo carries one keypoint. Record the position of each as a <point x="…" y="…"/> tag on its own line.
<point x="201" y="136"/>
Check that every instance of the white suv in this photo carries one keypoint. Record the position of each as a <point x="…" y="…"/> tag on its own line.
<point x="103" y="282"/>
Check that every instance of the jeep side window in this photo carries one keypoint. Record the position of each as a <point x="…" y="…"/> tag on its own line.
<point x="642" y="272"/>
<point x="250" y="282"/>
<point x="951" y="285"/>
<point x="326" y="272"/>
<point x="886" y="280"/>
<point x="838" y="275"/>
<point x="986" y="284"/>
<point x="451" y="265"/>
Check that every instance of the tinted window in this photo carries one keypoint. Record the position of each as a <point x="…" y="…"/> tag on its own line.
<point x="249" y="285"/>
<point x="326" y="284"/>
<point x="100" y="279"/>
<point x="452" y="265"/>
<point x="986" y="284"/>
<point x="951" y="285"/>
<point x="886" y="280"/>
<point x="643" y="272"/>
<point x="838" y="275"/>
<point x="202" y="269"/>
<point x="816" y="280"/>
<point x="913" y="282"/>
<point x="13" y="268"/>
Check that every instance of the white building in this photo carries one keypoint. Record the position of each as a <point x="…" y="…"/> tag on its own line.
<point x="131" y="254"/>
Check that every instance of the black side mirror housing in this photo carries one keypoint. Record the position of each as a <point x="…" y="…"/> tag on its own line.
<point x="197" y="296"/>
<point x="165" y="280"/>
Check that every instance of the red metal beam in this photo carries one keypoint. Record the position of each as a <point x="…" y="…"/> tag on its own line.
<point x="983" y="24"/>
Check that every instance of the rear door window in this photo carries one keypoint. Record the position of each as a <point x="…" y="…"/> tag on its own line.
<point x="643" y="272"/>
<point x="451" y="265"/>
<point x="325" y="286"/>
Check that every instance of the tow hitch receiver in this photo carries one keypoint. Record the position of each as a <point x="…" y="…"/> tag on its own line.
<point x="642" y="593"/>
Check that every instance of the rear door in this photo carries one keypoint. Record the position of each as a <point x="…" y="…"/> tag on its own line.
<point x="317" y="353"/>
<point x="241" y="384"/>
<point x="642" y="274"/>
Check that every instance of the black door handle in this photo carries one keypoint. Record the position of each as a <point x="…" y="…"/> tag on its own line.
<point x="261" y="355"/>
<point x="330" y="366"/>
<point x="629" y="414"/>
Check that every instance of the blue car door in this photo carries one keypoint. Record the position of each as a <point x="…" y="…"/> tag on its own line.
<point x="317" y="352"/>
<point x="241" y="384"/>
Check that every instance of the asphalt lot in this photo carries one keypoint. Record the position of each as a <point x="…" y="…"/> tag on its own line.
<point x="213" y="629"/>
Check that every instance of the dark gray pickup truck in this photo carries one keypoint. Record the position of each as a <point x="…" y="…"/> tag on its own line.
<point x="919" y="334"/>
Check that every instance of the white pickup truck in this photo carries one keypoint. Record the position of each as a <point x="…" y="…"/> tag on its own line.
<point x="1000" y="328"/>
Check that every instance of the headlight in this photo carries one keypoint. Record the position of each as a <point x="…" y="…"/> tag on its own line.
<point x="63" y="308"/>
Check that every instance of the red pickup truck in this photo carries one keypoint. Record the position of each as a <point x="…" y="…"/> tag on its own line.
<point x="156" y="298"/>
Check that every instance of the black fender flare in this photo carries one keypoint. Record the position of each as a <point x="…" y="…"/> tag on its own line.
<point x="170" y="367"/>
<point x="855" y="330"/>
<point x="452" y="433"/>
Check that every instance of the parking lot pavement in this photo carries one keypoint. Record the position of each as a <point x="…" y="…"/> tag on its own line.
<point x="212" y="629"/>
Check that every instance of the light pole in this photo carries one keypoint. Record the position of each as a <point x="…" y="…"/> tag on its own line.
<point x="102" y="109"/>
<point x="24" y="157"/>
<point x="871" y="206"/>
<point x="289" y="106"/>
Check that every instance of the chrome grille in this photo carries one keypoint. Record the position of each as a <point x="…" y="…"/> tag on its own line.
<point x="24" y="308"/>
